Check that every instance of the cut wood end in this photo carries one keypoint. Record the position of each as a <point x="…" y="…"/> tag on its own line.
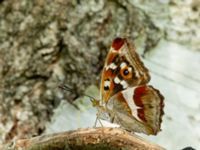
<point x="89" y="138"/>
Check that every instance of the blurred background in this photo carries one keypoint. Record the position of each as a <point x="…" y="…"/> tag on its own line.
<point x="45" y="43"/>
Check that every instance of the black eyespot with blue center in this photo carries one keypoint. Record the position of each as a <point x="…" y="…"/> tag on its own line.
<point x="125" y="72"/>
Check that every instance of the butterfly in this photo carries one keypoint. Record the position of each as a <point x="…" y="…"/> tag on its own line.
<point x="125" y="96"/>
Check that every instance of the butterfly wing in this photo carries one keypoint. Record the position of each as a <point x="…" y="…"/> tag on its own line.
<point x="138" y="109"/>
<point x="125" y="97"/>
<point x="123" y="68"/>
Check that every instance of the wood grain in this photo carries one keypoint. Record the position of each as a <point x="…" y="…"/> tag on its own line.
<point x="89" y="138"/>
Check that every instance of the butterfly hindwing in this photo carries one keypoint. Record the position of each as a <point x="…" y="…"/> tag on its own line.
<point x="138" y="109"/>
<point x="122" y="69"/>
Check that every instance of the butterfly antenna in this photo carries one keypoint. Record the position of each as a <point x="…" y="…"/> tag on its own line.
<point x="66" y="88"/>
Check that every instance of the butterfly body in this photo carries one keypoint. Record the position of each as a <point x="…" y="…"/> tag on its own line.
<point x="125" y="97"/>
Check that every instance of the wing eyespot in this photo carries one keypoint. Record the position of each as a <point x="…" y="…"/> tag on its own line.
<point x="126" y="72"/>
<point x="106" y="84"/>
<point x="106" y="88"/>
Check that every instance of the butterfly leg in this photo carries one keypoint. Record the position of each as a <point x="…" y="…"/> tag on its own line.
<point x="100" y="122"/>
<point x="95" y="123"/>
<point x="97" y="119"/>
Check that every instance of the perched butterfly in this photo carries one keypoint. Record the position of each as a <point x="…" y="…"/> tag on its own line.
<point x="125" y="97"/>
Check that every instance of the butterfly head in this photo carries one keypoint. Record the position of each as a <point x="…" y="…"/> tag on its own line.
<point x="95" y="102"/>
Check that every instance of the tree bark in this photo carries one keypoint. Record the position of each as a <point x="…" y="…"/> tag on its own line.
<point x="44" y="43"/>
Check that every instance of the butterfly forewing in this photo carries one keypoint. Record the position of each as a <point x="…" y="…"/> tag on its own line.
<point x="122" y="69"/>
